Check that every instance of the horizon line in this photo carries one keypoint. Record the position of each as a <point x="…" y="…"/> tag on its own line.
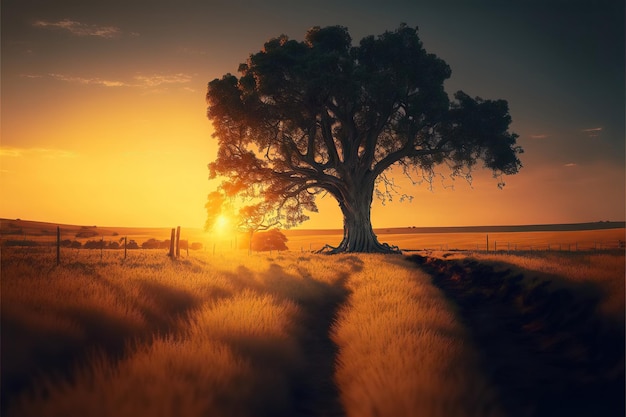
<point x="623" y="222"/>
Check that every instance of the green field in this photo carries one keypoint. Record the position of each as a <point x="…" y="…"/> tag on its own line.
<point x="300" y="334"/>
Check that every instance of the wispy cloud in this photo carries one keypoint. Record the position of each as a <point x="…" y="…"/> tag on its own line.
<point x="41" y="152"/>
<point x="571" y="164"/>
<point x="156" y="80"/>
<point x="542" y="136"/>
<point x="139" y="81"/>
<point x="81" y="29"/>
<point x="593" y="132"/>
<point x="87" y="81"/>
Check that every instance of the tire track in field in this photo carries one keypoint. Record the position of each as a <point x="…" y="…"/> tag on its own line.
<point x="545" y="349"/>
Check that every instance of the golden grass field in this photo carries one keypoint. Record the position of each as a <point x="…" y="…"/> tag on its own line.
<point x="310" y="240"/>
<point x="301" y="334"/>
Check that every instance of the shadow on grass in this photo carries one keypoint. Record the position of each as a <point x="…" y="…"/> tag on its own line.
<point x="35" y="345"/>
<point x="543" y="343"/>
<point x="312" y="390"/>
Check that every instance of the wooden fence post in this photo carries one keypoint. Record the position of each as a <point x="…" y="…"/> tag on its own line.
<point x="101" y="247"/>
<point x="487" y="243"/>
<point x="58" y="245"/>
<point x="178" y="242"/>
<point x="172" y="242"/>
<point x="124" y="247"/>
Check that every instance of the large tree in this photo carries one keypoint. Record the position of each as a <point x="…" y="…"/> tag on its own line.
<point x="324" y="116"/>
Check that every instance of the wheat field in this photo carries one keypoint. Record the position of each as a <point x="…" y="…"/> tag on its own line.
<point x="232" y="334"/>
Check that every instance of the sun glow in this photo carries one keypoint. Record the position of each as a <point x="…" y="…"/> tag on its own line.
<point x="222" y="224"/>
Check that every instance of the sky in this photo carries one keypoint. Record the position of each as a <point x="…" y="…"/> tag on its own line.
<point x="103" y="112"/>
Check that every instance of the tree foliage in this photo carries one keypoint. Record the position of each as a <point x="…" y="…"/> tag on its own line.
<point x="324" y="116"/>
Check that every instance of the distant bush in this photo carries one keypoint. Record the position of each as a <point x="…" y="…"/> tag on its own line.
<point x="13" y="230"/>
<point x="271" y="240"/>
<point x="151" y="244"/>
<point x="161" y="244"/>
<point x="132" y="245"/>
<point x="86" y="234"/>
<point x="20" y="243"/>
<point x="94" y="244"/>
<point x="68" y="243"/>
<point x="196" y="246"/>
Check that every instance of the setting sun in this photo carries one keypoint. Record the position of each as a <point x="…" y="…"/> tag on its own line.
<point x="221" y="224"/>
<point x="121" y="135"/>
<point x="356" y="208"/>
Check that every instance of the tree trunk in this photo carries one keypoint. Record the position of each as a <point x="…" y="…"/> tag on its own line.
<point x="358" y="235"/>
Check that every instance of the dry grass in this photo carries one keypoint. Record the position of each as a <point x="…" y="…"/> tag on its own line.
<point x="605" y="270"/>
<point x="235" y="335"/>
<point x="202" y="336"/>
<point x="402" y="352"/>
<point x="565" y="240"/>
<point x="306" y="240"/>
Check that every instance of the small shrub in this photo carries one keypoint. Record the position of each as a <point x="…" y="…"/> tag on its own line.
<point x="20" y="243"/>
<point x="86" y="234"/>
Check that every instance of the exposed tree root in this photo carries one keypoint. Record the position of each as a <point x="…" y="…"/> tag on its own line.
<point x="343" y="248"/>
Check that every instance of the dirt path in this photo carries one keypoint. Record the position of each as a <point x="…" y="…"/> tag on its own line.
<point x="316" y="391"/>
<point x="545" y="349"/>
<point x="313" y="391"/>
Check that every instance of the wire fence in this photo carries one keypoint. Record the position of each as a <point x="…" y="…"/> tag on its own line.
<point x="68" y="244"/>
<point x="523" y="244"/>
<point x="571" y="241"/>
<point x="90" y="247"/>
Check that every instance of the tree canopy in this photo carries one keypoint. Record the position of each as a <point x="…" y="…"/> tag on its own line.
<point x="325" y="116"/>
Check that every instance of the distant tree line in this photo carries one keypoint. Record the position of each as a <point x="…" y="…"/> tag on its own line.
<point x="103" y="244"/>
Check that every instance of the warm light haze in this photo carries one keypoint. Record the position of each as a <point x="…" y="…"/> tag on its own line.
<point x="104" y="115"/>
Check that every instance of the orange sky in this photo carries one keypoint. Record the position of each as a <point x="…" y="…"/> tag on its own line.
<point x="103" y="111"/>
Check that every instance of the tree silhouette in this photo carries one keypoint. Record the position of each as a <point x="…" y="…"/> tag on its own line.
<point x="323" y="116"/>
